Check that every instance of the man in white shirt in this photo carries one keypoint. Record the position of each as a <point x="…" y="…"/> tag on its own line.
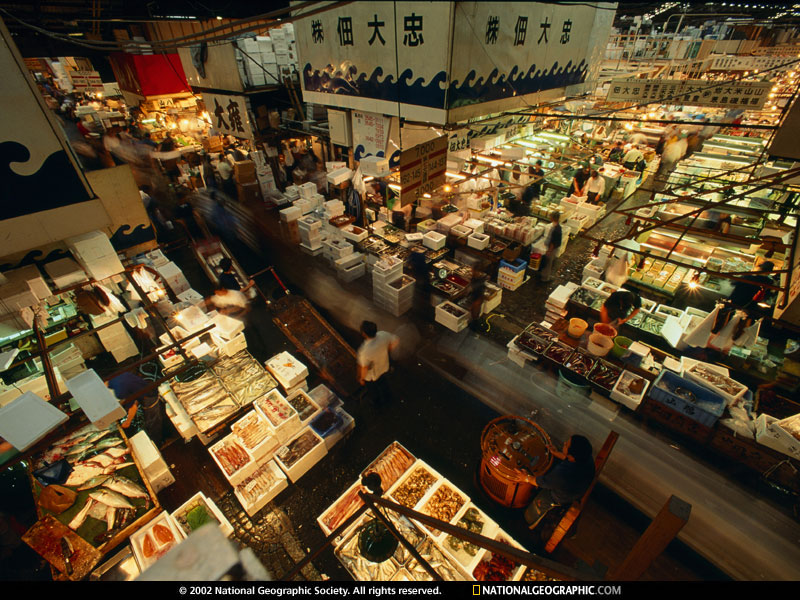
<point x="373" y="360"/>
<point x="595" y="188"/>
<point x="632" y="157"/>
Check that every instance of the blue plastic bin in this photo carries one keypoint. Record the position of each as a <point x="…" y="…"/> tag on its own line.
<point x="516" y="266"/>
<point x="706" y="409"/>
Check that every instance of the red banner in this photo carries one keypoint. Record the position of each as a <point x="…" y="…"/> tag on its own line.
<point x="149" y="74"/>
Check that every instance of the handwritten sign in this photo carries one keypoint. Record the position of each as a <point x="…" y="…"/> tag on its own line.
<point x="422" y="169"/>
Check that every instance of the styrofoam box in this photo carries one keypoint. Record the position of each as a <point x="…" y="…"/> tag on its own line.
<point x="429" y="494"/>
<point x="280" y="484"/>
<point x="687" y="362"/>
<point x="291" y="213"/>
<point x="348" y="261"/>
<point x="490" y="529"/>
<point x="354" y="233"/>
<point x="336" y="434"/>
<point x="321" y="518"/>
<point x="190" y="296"/>
<point x="477" y="240"/>
<point x="160" y="480"/>
<point x="476" y="225"/>
<point x="503" y="537"/>
<point x="308" y="460"/>
<point x="352" y="273"/>
<point x="307" y="398"/>
<point x="27" y="419"/>
<point x="447" y="222"/>
<point x="324" y="396"/>
<point x="137" y="539"/>
<point x="95" y="399"/>
<point x="729" y="398"/>
<point x="339" y="176"/>
<point x="268" y="445"/>
<point x="224" y="525"/>
<point x="419" y="463"/>
<point x="287" y="369"/>
<point x="309" y="224"/>
<point x="285" y="429"/>
<point x="245" y="471"/>
<point x="147" y="454"/>
<point x="237" y="344"/>
<point x="65" y="272"/>
<point x="414" y="237"/>
<point x="771" y="435"/>
<point x="434" y="240"/>
<point x="460" y="231"/>
<point x="629" y="401"/>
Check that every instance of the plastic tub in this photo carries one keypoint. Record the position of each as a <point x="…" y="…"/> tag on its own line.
<point x="621" y="345"/>
<point x="577" y="327"/>
<point x="600" y="345"/>
<point x="605" y="330"/>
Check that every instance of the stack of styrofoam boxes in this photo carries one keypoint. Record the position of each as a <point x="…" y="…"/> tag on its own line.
<point x="454" y="322"/>
<point x="479" y="241"/>
<point x="292" y="193"/>
<point x="333" y="208"/>
<point x="350" y="267"/>
<point x="339" y="176"/>
<point x="391" y="291"/>
<point x="376" y="166"/>
<point x="252" y="62"/>
<point x="65" y="272"/>
<point x="444" y="224"/>
<point x="594" y="269"/>
<point x="556" y="304"/>
<point x="266" y="179"/>
<point x="310" y="230"/>
<point x="308" y="190"/>
<point x="174" y="278"/>
<point x="289" y="223"/>
<point x="268" y="60"/>
<point x="22" y="288"/>
<point x="335" y="249"/>
<point x="153" y="464"/>
<point x="511" y="275"/>
<point x="289" y="372"/>
<point x="115" y="338"/>
<point x="69" y="360"/>
<point x="95" y="254"/>
<point x="493" y="295"/>
<point x="280" y="44"/>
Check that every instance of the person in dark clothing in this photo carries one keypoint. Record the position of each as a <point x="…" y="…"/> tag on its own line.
<point x="619" y="307"/>
<point x="553" y="246"/>
<point x="616" y="153"/>
<point x="565" y="482"/>
<point x="745" y="294"/>
<point x="227" y="278"/>
<point x="128" y="384"/>
<point x="534" y="190"/>
<point x="578" y="187"/>
<point x="168" y="145"/>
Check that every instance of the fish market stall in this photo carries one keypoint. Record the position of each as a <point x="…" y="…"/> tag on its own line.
<point x="89" y="485"/>
<point x="411" y="482"/>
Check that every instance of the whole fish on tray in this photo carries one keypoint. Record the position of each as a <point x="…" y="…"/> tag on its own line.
<point x="126" y="487"/>
<point x="258" y="484"/>
<point x="111" y="498"/>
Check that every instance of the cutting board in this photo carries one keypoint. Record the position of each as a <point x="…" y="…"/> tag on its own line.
<point x="45" y="539"/>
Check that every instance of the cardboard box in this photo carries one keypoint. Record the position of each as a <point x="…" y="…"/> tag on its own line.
<point x="249" y="192"/>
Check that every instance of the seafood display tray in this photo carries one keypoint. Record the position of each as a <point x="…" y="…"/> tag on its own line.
<point x="596" y="374"/>
<point x="423" y="507"/>
<point x="138" y="539"/>
<point x="324" y="518"/>
<point x="267" y="446"/>
<point x="308" y="460"/>
<point x="280" y="484"/>
<point x="461" y="557"/>
<point x="332" y="436"/>
<point x="287" y="427"/>
<point x="315" y="409"/>
<point x="244" y="471"/>
<point x="211" y="507"/>
<point x="419" y="463"/>
<point x="618" y="394"/>
<point x="501" y="536"/>
<point x="691" y="374"/>
<point x="687" y="397"/>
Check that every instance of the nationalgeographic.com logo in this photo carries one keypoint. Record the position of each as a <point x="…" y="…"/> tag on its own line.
<point x="547" y="590"/>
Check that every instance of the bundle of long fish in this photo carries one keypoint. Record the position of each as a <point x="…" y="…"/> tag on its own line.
<point x="252" y="429"/>
<point x="259" y="483"/>
<point x="362" y="568"/>
<point x="214" y="413"/>
<point x="391" y="464"/>
<point x="244" y="377"/>
<point x="440" y="563"/>
<point x="231" y="456"/>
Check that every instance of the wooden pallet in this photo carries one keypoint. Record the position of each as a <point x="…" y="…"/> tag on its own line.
<point x="314" y="337"/>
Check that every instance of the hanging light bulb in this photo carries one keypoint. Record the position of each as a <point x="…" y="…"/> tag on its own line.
<point x="695" y="281"/>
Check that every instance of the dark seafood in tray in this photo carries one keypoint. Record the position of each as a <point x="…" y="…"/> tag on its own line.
<point x="499" y="568"/>
<point x="542" y="332"/>
<point x="558" y="352"/>
<point x="580" y="362"/>
<point x="604" y="375"/>
<point x="454" y="310"/>
<point x="531" y="342"/>
<point x="586" y="297"/>
<point x="414" y="487"/>
<point x="457" y="280"/>
<point x="446" y="287"/>
<point x="302" y="404"/>
<point x="297" y="448"/>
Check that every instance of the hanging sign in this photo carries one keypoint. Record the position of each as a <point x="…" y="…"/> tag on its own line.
<point x="749" y="63"/>
<point x="370" y="134"/>
<point x="422" y="169"/>
<point x="695" y="92"/>
<point x="229" y="114"/>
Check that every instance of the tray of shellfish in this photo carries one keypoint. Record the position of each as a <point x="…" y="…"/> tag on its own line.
<point x="155" y="539"/>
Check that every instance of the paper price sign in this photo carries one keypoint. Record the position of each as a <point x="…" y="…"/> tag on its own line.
<point x="422" y="169"/>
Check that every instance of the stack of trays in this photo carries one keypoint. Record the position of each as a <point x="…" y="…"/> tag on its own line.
<point x="288" y="371"/>
<point x="452" y="316"/>
<point x="556" y="304"/>
<point x="310" y="230"/>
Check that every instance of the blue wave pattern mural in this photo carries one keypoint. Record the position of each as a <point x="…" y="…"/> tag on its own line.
<point x="350" y="82"/>
<point x="54" y="185"/>
<point x="495" y="88"/>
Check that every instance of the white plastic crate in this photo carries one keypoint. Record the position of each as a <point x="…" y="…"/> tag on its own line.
<point x="479" y="241"/>
<point x="452" y="322"/>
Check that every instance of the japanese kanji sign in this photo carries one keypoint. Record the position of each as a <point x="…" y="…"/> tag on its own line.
<point x="438" y="61"/>
<point x="229" y="115"/>
<point x="422" y="169"/>
<point x="749" y="63"/>
<point x="750" y="95"/>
